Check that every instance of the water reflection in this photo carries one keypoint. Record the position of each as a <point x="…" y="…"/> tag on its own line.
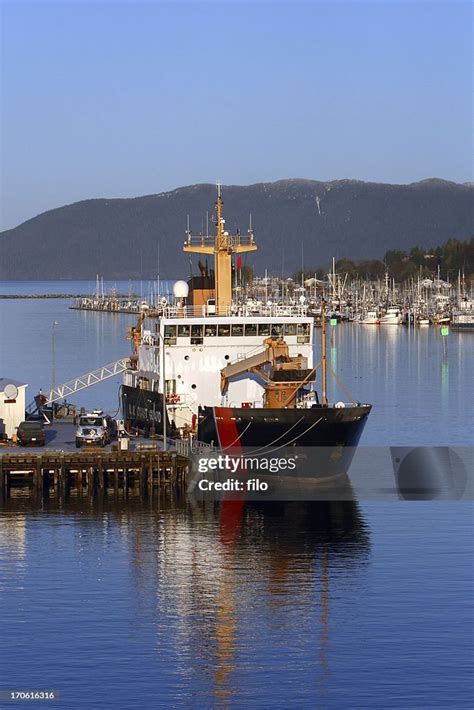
<point x="13" y="536"/>
<point x="226" y="581"/>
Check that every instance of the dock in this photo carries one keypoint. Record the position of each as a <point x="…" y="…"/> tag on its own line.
<point x="113" y="304"/>
<point x="51" y="295"/>
<point x="90" y="472"/>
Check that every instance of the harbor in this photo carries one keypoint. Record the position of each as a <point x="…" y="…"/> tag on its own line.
<point x="222" y="361"/>
<point x="237" y="330"/>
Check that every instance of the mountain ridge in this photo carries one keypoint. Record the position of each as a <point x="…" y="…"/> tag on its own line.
<point x="118" y="237"/>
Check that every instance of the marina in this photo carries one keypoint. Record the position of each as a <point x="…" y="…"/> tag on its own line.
<point x="415" y="302"/>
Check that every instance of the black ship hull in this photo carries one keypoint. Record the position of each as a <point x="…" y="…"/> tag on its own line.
<point x="323" y="440"/>
<point x="249" y="427"/>
<point x="142" y="410"/>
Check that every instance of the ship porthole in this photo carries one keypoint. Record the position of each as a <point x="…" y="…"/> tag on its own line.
<point x="186" y="357"/>
<point x="193" y="387"/>
<point x="226" y="357"/>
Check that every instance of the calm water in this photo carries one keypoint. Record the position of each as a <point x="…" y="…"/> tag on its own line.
<point x="179" y="604"/>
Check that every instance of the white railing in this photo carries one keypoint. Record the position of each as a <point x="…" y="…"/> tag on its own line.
<point x="207" y="240"/>
<point x="245" y="310"/>
<point x="184" y="447"/>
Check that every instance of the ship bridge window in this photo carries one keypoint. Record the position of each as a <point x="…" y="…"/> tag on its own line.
<point x="170" y="335"/>
<point x="237" y="329"/>
<point x="183" y="331"/>
<point x="277" y="329"/>
<point x="250" y="329"/>
<point x="224" y="330"/>
<point x="197" y="334"/>
<point x="210" y="331"/>
<point x="264" y="329"/>
<point x="289" y="329"/>
<point x="303" y="330"/>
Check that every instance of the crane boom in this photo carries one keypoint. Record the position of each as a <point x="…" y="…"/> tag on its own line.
<point x="283" y="378"/>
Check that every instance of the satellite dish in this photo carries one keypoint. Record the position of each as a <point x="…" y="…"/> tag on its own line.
<point x="180" y="289"/>
<point x="11" y="391"/>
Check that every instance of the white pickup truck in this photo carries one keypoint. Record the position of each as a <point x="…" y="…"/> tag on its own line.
<point x="94" y="429"/>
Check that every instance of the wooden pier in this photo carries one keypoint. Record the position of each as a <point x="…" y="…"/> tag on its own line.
<point x="92" y="471"/>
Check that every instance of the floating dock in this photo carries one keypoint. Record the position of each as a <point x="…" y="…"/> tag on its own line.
<point x="91" y="471"/>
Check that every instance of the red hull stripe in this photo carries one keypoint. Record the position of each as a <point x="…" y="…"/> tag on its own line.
<point x="231" y="510"/>
<point x="226" y="428"/>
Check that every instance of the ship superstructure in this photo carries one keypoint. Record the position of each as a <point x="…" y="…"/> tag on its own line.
<point x="183" y="357"/>
<point x="182" y="352"/>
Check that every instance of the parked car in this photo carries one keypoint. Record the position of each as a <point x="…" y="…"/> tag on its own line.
<point x="31" y="433"/>
<point x="95" y="428"/>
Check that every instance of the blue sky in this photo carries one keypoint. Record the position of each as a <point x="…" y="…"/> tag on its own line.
<point x="118" y="99"/>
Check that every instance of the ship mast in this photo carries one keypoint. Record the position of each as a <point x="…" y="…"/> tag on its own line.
<point x="222" y="247"/>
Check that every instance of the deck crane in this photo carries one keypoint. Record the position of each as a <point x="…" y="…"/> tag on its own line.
<point x="282" y="375"/>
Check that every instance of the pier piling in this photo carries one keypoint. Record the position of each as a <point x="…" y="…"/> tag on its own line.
<point x="96" y="472"/>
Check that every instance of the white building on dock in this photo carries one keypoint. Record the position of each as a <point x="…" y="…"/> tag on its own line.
<point x="12" y="405"/>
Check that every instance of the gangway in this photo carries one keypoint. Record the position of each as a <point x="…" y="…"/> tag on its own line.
<point x="80" y="383"/>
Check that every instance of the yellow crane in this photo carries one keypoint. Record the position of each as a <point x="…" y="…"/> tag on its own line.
<point x="282" y="375"/>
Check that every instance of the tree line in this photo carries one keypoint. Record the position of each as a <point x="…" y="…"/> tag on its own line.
<point x="450" y="258"/>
